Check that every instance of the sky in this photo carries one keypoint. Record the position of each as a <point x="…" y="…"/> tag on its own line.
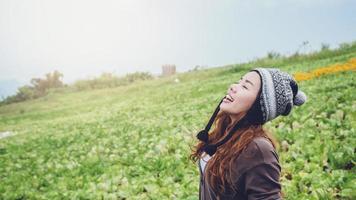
<point x="84" y="38"/>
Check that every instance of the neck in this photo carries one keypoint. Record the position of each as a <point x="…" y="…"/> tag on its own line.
<point x="235" y="118"/>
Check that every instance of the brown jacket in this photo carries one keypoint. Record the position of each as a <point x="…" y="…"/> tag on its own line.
<point x="256" y="174"/>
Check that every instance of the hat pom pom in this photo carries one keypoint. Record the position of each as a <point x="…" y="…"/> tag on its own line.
<point x="203" y="136"/>
<point x="299" y="98"/>
<point x="210" y="149"/>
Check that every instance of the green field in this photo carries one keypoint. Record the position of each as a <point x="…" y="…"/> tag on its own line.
<point x="133" y="142"/>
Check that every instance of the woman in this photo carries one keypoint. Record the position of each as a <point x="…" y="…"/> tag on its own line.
<point x="238" y="158"/>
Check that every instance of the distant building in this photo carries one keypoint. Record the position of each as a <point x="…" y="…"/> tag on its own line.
<point x="168" y="70"/>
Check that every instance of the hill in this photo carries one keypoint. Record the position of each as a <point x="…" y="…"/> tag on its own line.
<point x="133" y="142"/>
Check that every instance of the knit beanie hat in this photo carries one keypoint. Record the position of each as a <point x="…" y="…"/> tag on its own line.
<point x="278" y="94"/>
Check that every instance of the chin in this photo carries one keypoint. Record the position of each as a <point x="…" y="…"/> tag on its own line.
<point x="226" y="109"/>
<point x="223" y="108"/>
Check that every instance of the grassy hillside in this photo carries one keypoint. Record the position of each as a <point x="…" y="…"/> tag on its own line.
<point x="133" y="142"/>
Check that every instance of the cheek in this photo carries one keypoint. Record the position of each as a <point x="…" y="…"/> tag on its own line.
<point x="244" y="102"/>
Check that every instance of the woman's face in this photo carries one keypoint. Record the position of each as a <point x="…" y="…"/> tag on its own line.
<point x="242" y="93"/>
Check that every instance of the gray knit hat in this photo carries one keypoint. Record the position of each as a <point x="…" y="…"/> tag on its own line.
<point x="279" y="93"/>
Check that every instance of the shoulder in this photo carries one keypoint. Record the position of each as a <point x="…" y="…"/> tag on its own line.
<point x="257" y="154"/>
<point x="261" y="148"/>
<point x="263" y="144"/>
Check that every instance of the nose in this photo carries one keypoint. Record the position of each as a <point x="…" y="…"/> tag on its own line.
<point x="232" y="88"/>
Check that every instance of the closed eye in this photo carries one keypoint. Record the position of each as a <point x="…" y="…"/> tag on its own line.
<point x="237" y="82"/>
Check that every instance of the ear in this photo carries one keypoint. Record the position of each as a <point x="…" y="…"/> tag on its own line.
<point x="288" y="109"/>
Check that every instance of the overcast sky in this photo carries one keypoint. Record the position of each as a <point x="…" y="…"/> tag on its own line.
<point x="83" y="38"/>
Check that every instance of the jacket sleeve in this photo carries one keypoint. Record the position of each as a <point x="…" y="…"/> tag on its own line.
<point x="262" y="182"/>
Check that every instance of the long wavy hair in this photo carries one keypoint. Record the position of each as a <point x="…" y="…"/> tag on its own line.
<point x="218" y="169"/>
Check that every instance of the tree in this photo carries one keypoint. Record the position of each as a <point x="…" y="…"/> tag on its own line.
<point x="53" y="80"/>
<point x="38" y="87"/>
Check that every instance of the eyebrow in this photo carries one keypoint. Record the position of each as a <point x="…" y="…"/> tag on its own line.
<point x="246" y="81"/>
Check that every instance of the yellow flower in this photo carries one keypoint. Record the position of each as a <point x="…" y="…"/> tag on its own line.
<point x="331" y="69"/>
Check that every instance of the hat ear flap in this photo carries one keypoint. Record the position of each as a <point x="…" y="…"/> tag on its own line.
<point x="288" y="109"/>
<point x="203" y="135"/>
<point x="294" y="87"/>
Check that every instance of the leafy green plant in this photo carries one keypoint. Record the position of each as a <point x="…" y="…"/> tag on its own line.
<point x="133" y="142"/>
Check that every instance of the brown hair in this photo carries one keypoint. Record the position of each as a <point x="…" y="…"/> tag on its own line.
<point x="218" y="169"/>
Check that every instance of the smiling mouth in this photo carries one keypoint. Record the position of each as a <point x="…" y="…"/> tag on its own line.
<point x="228" y="98"/>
